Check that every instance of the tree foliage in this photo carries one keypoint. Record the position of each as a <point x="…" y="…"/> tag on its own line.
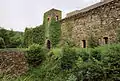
<point x="2" y="43"/>
<point x="12" y="39"/>
<point x="28" y="38"/>
<point x="34" y="35"/>
<point x="5" y="35"/>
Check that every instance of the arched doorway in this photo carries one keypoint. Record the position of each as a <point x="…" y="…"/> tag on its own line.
<point x="48" y="44"/>
<point x="84" y="43"/>
<point x="105" y="40"/>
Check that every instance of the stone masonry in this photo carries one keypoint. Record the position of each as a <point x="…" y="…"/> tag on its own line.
<point x="100" y="20"/>
<point x="13" y="63"/>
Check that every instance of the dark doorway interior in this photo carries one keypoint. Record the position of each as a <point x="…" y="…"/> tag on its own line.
<point x="48" y="44"/>
<point x="106" y="40"/>
<point x="84" y="43"/>
<point x="48" y="19"/>
<point x="57" y="18"/>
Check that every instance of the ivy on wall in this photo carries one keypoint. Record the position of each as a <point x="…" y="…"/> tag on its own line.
<point x="54" y="32"/>
<point x="28" y="37"/>
<point x="34" y="35"/>
<point x="52" y="26"/>
<point x="93" y="41"/>
<point x="50" y="30"/>
<point x="45" y="23"/>
<point x="38" y="35"/>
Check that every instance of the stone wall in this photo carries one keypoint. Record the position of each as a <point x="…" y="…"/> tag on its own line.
<point x="12" y="63"/>
<point x="100" y="22"/>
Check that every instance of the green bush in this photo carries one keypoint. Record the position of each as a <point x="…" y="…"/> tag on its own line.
<point x="95" y="54"/>
<point x="89" y="71"/>
<point x="68" y="58"/>
<point x="84" y="55"/>
<point x="111" y="62"/>
<point x="98" y="64"/>
<point x="35" y="54"/>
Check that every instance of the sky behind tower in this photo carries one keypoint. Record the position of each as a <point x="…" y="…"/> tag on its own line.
<point x="19" y="14"/>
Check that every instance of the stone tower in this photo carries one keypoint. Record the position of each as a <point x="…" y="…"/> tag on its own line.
<point x="50" y="17"/>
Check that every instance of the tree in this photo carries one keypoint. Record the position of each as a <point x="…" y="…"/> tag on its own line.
<point x="12" y="39"/>
<point x="5" y="35"/>
<point x="2" y="43"/>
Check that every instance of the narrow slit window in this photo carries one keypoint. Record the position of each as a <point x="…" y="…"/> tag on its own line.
<point x="84" y="43"/>
<point x="106" y="40"/>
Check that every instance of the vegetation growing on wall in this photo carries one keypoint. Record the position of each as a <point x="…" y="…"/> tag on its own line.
<point x="55" y="32"/>
<point x="92" y="41"/>
<point x="52" y="26"/>
<point x="66" y="42"/>
<point x="118" y="35"/>
<point x="34" y="35"/>
<point x="46" y="25"/>
<point x="49" y="30"/>
<point x="39" y="35"/>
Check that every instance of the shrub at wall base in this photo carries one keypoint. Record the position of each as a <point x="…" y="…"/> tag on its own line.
<point x="35" y="54"/>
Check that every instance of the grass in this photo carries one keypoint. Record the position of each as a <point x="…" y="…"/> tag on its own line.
<point x="14" y="49"/>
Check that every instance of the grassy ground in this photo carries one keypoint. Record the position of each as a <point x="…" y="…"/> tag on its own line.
<point x="13" y="49"/>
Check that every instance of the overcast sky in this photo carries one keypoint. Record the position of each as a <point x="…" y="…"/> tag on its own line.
<point x="18" y="14"/>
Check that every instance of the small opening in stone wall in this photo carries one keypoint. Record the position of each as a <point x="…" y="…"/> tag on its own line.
<point x="105" y="40"/>
<point x="84" y="43"/>
<point x="57" y="18"/>
<point x="48" y="44"/>
<point x="48" y="19"/>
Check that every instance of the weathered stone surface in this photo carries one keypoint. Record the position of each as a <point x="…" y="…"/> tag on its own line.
<point x="12" y="63"/>
<point x="102" y="21"/>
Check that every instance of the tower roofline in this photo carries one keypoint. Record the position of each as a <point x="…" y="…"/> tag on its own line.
<point x="53" y="9"/>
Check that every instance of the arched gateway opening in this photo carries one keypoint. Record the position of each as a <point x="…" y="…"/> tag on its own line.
<point x="48" y="44"/>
